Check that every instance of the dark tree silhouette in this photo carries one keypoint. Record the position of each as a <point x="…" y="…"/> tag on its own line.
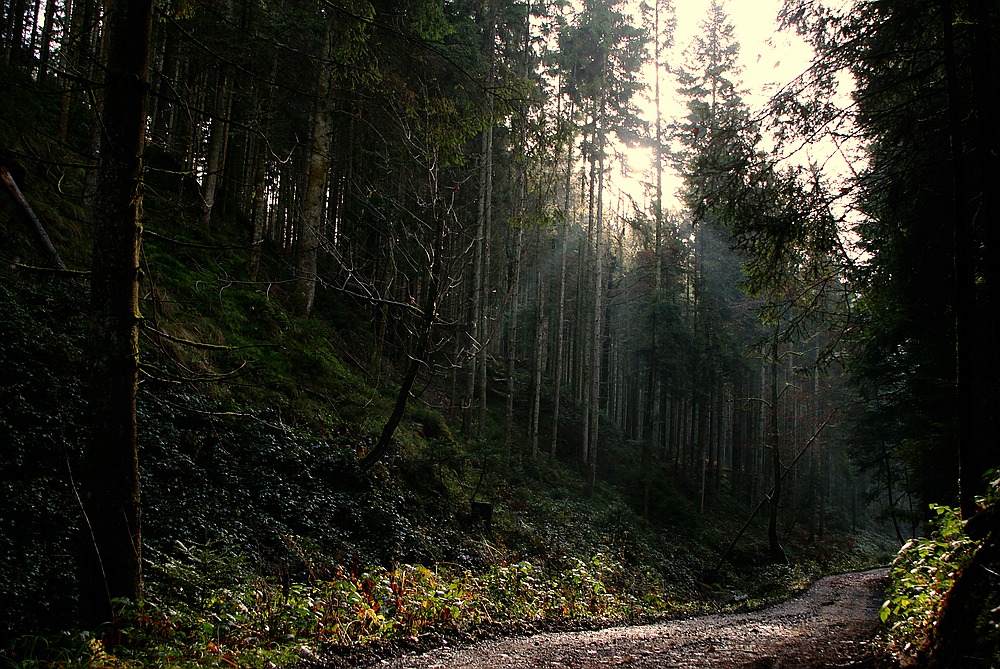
<point x="111" y="558"/>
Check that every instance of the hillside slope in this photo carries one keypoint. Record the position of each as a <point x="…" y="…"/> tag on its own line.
<point x="251" y="423"/>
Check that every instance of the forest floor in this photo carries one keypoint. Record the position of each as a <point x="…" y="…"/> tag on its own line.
<point x="832" y="624"/>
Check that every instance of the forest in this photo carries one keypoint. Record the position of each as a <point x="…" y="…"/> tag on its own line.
<point x="329" y="323"/>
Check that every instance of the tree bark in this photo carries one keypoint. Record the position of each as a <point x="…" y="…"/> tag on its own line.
<point x="597" y="331"/>
<point x="512" y="336"/>
<point x="541" y="336"/>
<point x="69" y="53"/>
<point x="975" y="337"/>
<point x="110" y="566"/>
<point x="15" y="28"/>
<point x="561" y="309"/>
<point x="774" y="499"/>
<point x="45" y="45"/>
<point x="482" y="366"/>
<point x="99" y="47"/>
<point x="540" y="348"/>
<point x="258" y="198"/>
<point x="476" y="302"/>
<point x="216" y="145"/>
<point x="309" y="234"/>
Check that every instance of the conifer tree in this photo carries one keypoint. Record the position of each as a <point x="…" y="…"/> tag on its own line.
<point x="111" y="557"/>
<point x="604" y="52"/>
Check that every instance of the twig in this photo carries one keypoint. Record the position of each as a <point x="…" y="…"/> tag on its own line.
<point x="210" y="247"/>
<point x="199" y="344"/>
<point x="93" y="538"/>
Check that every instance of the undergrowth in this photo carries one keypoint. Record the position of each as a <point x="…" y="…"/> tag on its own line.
<point x="261" y="620"/>
<point x="264" y="543"/>
<point x="922" y="574"/>
<point x="207" y="608"/>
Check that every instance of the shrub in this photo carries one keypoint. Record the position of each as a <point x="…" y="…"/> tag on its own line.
<point x="920" y="576"/>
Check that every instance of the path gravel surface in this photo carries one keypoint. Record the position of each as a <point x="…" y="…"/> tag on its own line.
<point x="830" y="625"/>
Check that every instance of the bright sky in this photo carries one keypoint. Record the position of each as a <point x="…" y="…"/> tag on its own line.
<point x="768" y="57"/>
<point x="769" y="60"/>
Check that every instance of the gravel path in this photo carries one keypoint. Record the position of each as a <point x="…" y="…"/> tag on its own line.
<point x="830" y="625"/>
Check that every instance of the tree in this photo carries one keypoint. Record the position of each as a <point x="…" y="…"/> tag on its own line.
<point x="926" y="226"/>
<point x="604" y="53"/>
<point x="435" y="119"/>
<point x="439" y="212"/>
<point x="715" y="138"/>
<point x="779" y="222"/>
<point x="661" y="23"/>
<point x="111" y="561"/>
<point x="342" y="47"/>
<point x="476" y="326"/>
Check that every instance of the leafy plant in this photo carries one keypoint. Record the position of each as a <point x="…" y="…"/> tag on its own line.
<point x="920" y="576"/>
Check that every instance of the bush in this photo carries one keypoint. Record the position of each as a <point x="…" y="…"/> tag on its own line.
<point x="921" y="574"/>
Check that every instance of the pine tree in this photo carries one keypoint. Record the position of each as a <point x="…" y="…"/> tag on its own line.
<point x="111" y="559"/>
<point x="604" y="52"/>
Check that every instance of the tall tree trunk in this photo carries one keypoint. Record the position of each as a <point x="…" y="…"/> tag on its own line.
<point x="14" y="47"/>
<point x="585" y="346"/>
<point x="540" y="348"/>
<point x="561" y="309"/>
<point x="45" y="46"/>
<point x="69" y="53"/>
<point x="512" y="335"/>
<point x="581" y="315"/>
<point x="651" y="384"/>
<point x="33" y="41"/>
<point x="111" y="564"/>
<point x="258" y="199"/>
<point x="487" y="47"/>
<point x="704" y="399"/>
<point x="985" y="60"/>
<point x="975" y="337"/>
<point x="597" y="332"/>
<point x="484" y="303"/>
<point x="647" y="427"/>
<point x="476" y="299"/>
<point x="719" y="415"/>
<point x="216" y="144"/>
<point x="776" y="551"/>
<point x="90" y="178"/>
<point x="309" y="235"/>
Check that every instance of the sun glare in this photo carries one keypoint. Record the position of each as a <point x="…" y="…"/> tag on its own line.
<point x="768" y="59"/>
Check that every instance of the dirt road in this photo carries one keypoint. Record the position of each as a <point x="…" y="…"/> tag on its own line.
<point x="830" y="625"/>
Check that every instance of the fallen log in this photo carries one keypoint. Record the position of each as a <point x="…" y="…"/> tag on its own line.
<point x="39" y="229"/>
